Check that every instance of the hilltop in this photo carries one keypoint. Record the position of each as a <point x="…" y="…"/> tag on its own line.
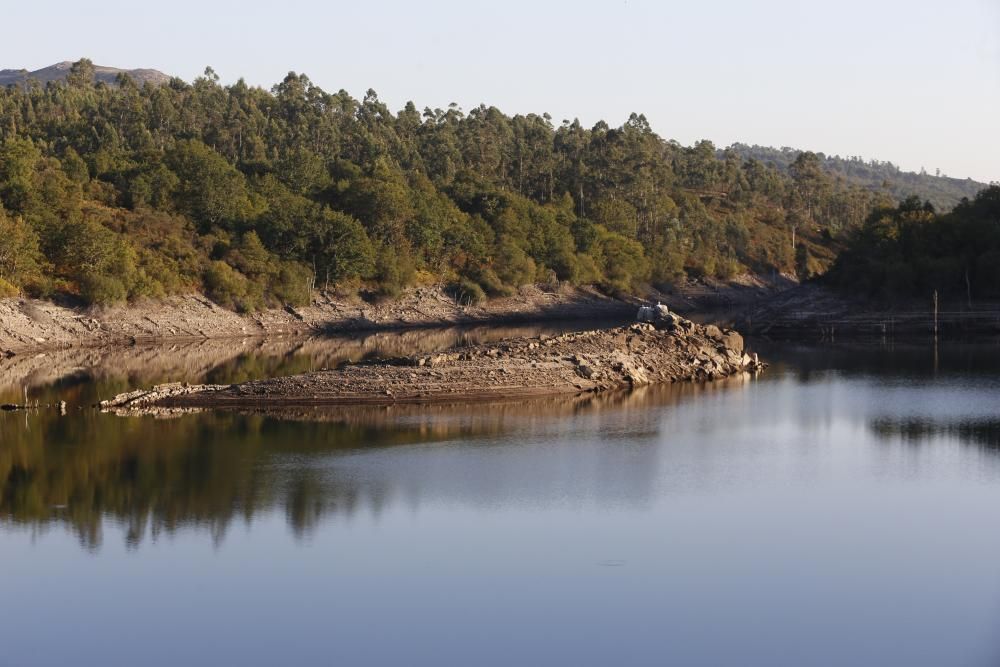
<point x="944" y="192"/>
<point x="60" y="71"/>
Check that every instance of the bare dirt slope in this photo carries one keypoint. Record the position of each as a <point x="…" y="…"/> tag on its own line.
<point x="27" y="325"/>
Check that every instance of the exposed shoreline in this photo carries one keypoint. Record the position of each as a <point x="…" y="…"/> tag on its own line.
<point x="28" y="325"/>
<point x="814" y="312"/>
<point x="673" y="350"/>
<point x="776" y="308"/>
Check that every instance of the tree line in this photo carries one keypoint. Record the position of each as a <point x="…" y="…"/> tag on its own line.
<point x="943" y="192"/>
<point x="911" y="250"/>
<point x="257" y="197"/>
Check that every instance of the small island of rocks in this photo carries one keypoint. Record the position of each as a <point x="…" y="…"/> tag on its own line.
<point x="661" y="347"/>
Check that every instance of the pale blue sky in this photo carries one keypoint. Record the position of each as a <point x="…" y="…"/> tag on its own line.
<point x="916" y="82"/>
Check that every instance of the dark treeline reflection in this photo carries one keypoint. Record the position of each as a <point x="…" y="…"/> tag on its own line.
<point x="82" y="376"/>
<point x="904" y="359"/>
<point x="981" y="433"/>
<point x="208" y="470"/>
<point x="89" y="472"/>
<point x="158" y="475"/>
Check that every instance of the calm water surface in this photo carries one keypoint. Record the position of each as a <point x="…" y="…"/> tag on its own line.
<point x="842" y="509"/>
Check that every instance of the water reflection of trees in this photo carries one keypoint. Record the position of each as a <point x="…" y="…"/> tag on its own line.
<point x="900" y="360"/>
<point x="154" y="477"/>
<point x="80" y="374"/>
<point x="984" y="433"/>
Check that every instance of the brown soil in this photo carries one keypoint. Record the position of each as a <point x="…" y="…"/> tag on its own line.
<point x="589" y="361"/>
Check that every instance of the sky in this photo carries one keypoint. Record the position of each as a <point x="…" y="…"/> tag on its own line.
<point x="915" y="82"/>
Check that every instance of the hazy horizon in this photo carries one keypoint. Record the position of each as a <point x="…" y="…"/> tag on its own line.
<point x="777" y="74"/>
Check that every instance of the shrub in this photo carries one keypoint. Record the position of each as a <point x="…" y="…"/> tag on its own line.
<point x="227" y="286"/>
<point x="394" y="270"/>
<point x="513" y="266"/>
<point x="7" y="290"/>
<point x="102" y="290"/>
<point x="20" y="258"/>
<point x="466" y="292"/>
<point x="293" y="284"/>
<point x="491" y="283"/>
<point x="622" y="261"/>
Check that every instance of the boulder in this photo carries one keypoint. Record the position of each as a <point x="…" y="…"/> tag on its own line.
<point x="630" y="369"/>
<point x="653" y="314"/>
<point x="733" y="341"/>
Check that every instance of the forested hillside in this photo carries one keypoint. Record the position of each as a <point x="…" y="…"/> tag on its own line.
<point x="910" y="250"/>
<point x="943" y="192"/>
<point x="113" y="192"/>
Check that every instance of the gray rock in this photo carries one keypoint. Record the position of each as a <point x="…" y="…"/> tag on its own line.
<point x="652" y="314"/>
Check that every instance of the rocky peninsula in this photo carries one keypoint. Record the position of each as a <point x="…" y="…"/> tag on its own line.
<point x="668" y="348"/>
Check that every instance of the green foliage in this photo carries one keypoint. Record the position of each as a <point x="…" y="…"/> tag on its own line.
<point x="230" y="288"/>
<point x="871" y="175"/>
<point x="617" y="215"/>
<point x="18" y="159"/>
<point x="256" y="197"/>
<point x="621" y="262"/>
<point x="513" y="265"/>
<point x="208" y="189"/>
<point x="20" y="257"/>
<point x="343" y="250"/>
<point x="7" y="289"/>
<point x="912" y="251"/>
<point x="466" y="292"/>
<point x="153" y="187"/>
<point x="491" y="283"/>
<point x="394" y="270"/>
<point x="101" y="289"/>
<point x="293" y="284"/>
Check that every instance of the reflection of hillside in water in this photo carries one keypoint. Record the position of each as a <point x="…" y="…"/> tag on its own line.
<point x="984" y="433"/>
<point x="903" y="360"/>
<point x="78" y="374"/>
<point x="205" y="471"/>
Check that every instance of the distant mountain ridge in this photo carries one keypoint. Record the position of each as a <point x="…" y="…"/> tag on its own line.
<point x="944" y="192"/>
<point x="59" y="72"/>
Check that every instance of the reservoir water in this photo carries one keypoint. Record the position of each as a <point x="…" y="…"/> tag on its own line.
<point x="840" y="509"/>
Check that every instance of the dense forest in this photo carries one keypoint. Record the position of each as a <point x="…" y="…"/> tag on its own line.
<point x="943" y="192"/>
<point x="910" y="250"/>
<point x="255" y="197"/>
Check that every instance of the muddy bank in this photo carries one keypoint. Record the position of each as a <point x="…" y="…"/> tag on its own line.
<point x="674" y="349"/>
<point x="29" y="325"/>
<point x="814" y="312"/>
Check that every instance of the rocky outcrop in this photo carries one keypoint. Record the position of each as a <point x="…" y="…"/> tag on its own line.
<point x="670" y="349"/>
<point x="59" y="72"/>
